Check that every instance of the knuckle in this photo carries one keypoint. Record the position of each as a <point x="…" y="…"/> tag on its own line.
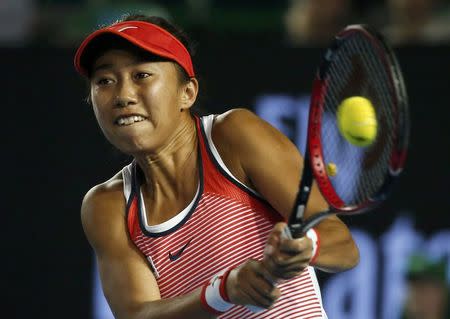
<point x="271" y="290"/>
<point x="273" y="297"/>
<point x="277" y="293"/>
<point x="302" y="243"/>
<point x="279" y="260"/>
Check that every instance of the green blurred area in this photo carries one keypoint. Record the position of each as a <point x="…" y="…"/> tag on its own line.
<point x="82" y="17"/>
<point x="422" y="267"/>
<point x="63" y="23"/>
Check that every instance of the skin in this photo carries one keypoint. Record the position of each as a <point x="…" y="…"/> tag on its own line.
<point x="164" y="145"/>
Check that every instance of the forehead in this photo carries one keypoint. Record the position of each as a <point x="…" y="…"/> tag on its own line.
<point x="116" y="56"/>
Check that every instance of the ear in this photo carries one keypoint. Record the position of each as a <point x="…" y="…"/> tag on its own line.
<point x="188" y="94"/>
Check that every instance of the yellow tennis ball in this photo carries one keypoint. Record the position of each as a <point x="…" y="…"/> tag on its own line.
<point x="357" y="121"/>
<point x="331" y="169"/>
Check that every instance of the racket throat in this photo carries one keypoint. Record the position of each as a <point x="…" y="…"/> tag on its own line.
<point x="299" y="208"/>
<point x="299" y="212"/>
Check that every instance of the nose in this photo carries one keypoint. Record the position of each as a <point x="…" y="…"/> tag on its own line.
<point x="126" y="95"/>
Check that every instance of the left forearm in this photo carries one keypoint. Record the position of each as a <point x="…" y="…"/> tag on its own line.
<point x="337" y="251"/>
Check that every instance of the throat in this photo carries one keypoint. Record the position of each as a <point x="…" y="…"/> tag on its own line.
<point x="170" y="192"/>
<point x="171" y="177"/>
<point x="160" y="209"/>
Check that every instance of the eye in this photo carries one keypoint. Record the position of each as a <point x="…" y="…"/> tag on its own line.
<point x="103" y="81"/>
<point x="142" y="75"/>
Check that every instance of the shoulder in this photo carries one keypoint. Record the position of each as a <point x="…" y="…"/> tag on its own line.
<point x="237" y="126"/>
<point x="103" y="193"/>
<point x="103" y="207"/>
<point x="241" y="129"/>
<point x="234" y="118"/>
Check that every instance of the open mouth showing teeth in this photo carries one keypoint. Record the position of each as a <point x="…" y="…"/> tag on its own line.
<point x="123" y="121"/>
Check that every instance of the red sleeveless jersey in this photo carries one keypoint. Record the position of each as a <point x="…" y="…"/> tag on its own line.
<point x="225" y="224"/>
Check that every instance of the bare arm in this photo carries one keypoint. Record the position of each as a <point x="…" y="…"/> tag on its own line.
<point x="269" y="162"/>
<point x="128" y="284"/>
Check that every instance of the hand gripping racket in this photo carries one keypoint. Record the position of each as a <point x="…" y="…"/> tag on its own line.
<point x="353" y="179"/>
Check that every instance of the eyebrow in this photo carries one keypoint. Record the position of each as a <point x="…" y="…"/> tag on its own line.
<point x="102" y="67"/>
<point x="105" y="66"/>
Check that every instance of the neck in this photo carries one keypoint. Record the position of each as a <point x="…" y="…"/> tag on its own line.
<point x="172" y="171"/>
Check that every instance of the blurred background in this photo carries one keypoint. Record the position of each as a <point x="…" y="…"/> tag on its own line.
<point x="255" y="54"/>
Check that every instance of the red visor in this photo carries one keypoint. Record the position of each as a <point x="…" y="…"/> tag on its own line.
<point x="145" y="35"/>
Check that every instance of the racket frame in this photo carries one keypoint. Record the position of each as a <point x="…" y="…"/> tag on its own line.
<point x="314" y="164"/>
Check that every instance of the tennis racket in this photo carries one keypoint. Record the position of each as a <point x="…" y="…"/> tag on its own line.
<point x="359" y="63"/>
<point x="353" y="179"/>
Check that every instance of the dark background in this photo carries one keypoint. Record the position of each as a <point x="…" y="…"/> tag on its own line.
<point x="54" y="152"/>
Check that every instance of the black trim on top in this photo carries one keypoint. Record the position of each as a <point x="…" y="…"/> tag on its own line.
<point x="137" y="182"/>
<point x="223" y="172"/>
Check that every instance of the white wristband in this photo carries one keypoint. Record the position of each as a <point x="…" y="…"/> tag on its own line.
<point x="214" y="297"/>
<point x="314" y="236"/>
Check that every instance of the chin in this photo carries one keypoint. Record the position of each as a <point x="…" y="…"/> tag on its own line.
<point x="132" y="144"/>
<point x="135" y="148"/>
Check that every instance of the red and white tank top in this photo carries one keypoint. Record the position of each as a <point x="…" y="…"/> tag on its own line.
<point x="225" y="224"/>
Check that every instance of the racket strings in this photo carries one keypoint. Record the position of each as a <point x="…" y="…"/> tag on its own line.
<point x="357" y="70"/>
<point x="378" y="155"/>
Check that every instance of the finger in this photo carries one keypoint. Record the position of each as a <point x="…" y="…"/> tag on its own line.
<point x="273" y="268"/>
<point x="275" y="236"/>
<point x="251" y="292"/>
<point x="294" y="267"/>
<point x="285" y="248"/>
<point x="264" y="293"/>
<point x="281" y="260"/>
<point x="284" y="267"/>
<point x="265" y="281"/>
<point x="286" y="272"/>
<point x="251" y="286"/>
<point x="252" y="299"/>
<point x="296" y="246"/>
<point x="268" y="283"/>
<point x="267" y="276"/>
<point x="291" y="272"/>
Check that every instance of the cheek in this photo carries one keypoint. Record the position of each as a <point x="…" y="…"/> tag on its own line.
<point x="98" y="107"/>
<point x="161" y="98"/>
<point x="99" y="100"/>
<point x="97" y="114"/>
<point x="100" y="120"/>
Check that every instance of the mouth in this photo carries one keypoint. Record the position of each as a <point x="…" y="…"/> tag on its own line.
<point x="129" y="120"/>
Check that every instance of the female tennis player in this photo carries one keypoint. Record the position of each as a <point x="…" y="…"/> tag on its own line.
<point x="191" y="228"/>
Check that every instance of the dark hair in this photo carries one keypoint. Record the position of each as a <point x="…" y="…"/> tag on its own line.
<point x="110" y="41"/>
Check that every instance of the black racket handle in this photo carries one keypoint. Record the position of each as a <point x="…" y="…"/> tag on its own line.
<point x="299" y="230"/>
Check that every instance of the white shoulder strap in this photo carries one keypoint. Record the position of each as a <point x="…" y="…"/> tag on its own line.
<point x="127" y="181"/>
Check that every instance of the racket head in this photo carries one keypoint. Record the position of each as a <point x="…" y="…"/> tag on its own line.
<point x="358" y="63"/>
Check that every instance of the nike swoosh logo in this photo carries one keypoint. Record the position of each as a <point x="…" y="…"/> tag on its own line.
<point x="178" y="254"/>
